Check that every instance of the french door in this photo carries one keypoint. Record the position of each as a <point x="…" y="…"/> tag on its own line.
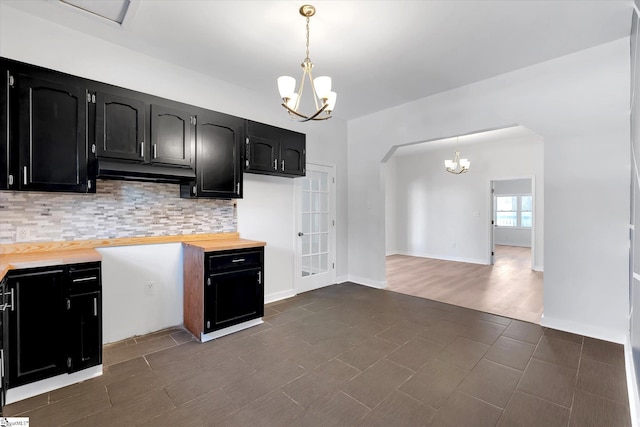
<point x="315" y="248"/>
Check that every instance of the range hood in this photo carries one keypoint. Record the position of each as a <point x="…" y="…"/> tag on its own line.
<point x="109" y="169"/>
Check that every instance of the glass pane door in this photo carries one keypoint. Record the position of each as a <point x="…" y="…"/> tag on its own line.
<point x="314" y="218"/>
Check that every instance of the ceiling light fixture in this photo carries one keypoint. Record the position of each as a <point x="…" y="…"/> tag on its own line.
<point x="323" y="97"/>
<point x="457" y="165"/>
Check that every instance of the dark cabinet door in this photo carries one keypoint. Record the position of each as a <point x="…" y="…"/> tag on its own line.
<point x="120" y="128"/>
<point x="171" y="136"/>
<point x="52" y="135"/>
<point x="4" y="317"/>
<point x="292" y="157"/>
<point x="36" y="344"/>
<point x="84" y="330"/>
<point x="274" y="151"/>
<point x="232" y="298"/>
<point x="218" y="158"/>
<point x="6" y="182"/>
<point x="262" y="155"/>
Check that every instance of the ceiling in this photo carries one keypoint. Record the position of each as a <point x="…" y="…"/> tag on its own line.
<point x="379" y="53"/>
<point x="513" y="133"/>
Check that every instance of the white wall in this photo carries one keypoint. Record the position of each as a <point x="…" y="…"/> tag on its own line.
<point x="514" y="236"/>
<point x="40" y="42"/>
<point x="579" y="104"/>
<point x="390" y="173"/>
<point x="131" y="307"/>
<point x="445" y="216"/>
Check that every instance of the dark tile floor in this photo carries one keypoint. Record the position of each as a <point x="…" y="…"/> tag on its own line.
<point x="348" y="355"/>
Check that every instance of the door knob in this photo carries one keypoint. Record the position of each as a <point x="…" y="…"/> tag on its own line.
<point x="300" y="234"/>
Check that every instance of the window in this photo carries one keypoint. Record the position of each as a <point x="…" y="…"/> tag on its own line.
<point x="514" y="211"/>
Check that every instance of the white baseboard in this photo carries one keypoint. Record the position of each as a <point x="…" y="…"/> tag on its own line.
<point x="44" y="386"/>
<point x="632" y="384"/>
<point x="445" y="257"/>
<point x="230" y="330"/>
<point x="368" y="282"/>
<point x="279" y="296"/>
<point x="605" y="334"/>
<point x="538" y="268"/>
<point x="342" y="279"/>
<point x="394" y="252"/>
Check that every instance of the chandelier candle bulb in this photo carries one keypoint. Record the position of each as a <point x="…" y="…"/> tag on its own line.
<point x="323" y="86"/>
<point x="286" y="86"/>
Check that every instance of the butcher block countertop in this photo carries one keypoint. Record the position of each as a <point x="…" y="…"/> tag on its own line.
<point x="42" y="254"/>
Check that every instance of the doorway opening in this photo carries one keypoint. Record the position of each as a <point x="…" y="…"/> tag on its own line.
<point x="438" y="226"/>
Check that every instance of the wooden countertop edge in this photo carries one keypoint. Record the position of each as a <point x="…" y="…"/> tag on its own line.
<point x="42" y="254"/>
<point x="101" y="243"/>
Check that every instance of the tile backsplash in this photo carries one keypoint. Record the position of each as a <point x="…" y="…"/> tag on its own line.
<point x="118" y="209"/>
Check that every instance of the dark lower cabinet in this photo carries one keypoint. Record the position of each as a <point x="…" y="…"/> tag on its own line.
<point x="84" y="331"/>
<point x="36" y="326"/>
<point x="232" y="298"/>
<point x="52" y="322"/>
<point x="222" y="288"/>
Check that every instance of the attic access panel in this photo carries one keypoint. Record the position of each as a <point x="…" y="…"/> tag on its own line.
<point x="113" y="10"/>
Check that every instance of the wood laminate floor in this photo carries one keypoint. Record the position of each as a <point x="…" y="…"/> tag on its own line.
<point x="507" y="288"/>
<point x="348" y="355"/>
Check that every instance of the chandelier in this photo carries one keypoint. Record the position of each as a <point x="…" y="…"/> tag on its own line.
<point x="457" y="165"/>
<point x="323" y="97"/>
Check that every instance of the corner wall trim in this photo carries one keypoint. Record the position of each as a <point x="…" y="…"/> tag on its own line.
<point x="277" y="296"/>
<point x="368" y="282"/>
<point x="632" y="384"/>
<point x="605" y="334"/>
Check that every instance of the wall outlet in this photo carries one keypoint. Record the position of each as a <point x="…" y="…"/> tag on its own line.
<point x="150" y="287"/>
<point x="23" y="234"/>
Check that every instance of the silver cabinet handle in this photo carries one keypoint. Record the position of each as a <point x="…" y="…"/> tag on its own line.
<point x="275" y="164"/>
<point x="95" y="307"/>
<point x="142" y="149"/>
<point x="259" y="277"/>
<point x="12" y="305"/>
<point x="84" y="279"/>
<point x="155" y="151"/>
<point x="25" y="175"/>
<point x="238" y="188"/>
<point x="238" y="260"/>
<point x="283" y="165"/>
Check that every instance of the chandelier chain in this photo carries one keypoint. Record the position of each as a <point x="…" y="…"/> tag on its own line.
<point x="307" y="37"/>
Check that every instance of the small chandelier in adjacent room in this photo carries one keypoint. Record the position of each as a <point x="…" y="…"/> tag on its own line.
<point x="323" y="97"/>
<point x="457" y="165"/>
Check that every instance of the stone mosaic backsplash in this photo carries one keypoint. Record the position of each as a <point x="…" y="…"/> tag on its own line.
<point x="118" y="209"/>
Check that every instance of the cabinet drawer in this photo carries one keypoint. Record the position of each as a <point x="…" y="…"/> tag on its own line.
<point x="234" y="261"/>
<point x="84" y="279"/>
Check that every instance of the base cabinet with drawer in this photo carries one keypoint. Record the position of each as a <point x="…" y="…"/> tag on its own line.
<point x="222" y="288"/>
<point x="52" y="322"/>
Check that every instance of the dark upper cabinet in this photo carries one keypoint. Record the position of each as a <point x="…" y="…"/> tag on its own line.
<point x="120" y="126"/>
<point x="35" y="326"/>
<point x="51" y="134"/>
<point x="274" y="151"/>
<point x="6" y="182"/>
<point x="171" y="138"/>
<point x="218" y="157"/>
